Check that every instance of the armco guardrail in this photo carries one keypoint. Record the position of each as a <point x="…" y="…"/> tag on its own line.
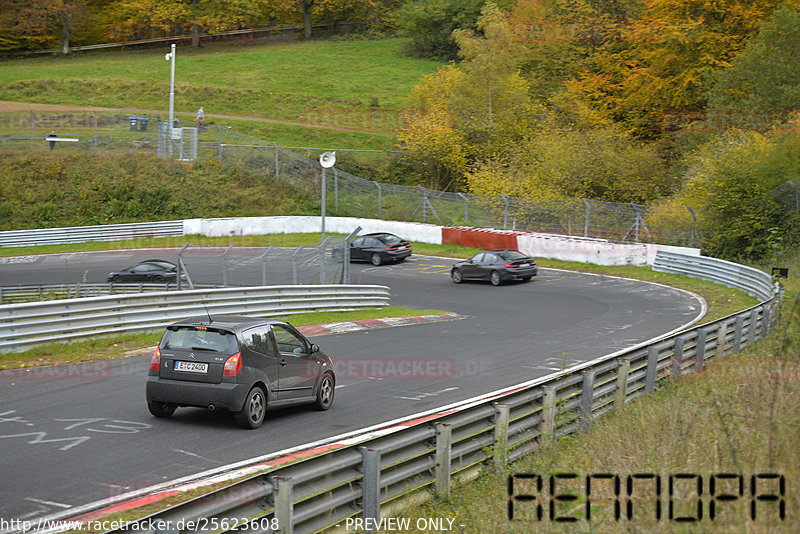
<point x="355" y="477"/>
<point x="25" y="324"/>
<point x="81" y="234"/>
<point x="40" y="292"/>
<point x="752" y="281"/>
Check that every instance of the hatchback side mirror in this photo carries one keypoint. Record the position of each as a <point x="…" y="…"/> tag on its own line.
<point x="314" y="348"/>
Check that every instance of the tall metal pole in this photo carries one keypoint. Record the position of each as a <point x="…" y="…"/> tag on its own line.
<point x="171" y="57"/>
<point x="323" y="204"/>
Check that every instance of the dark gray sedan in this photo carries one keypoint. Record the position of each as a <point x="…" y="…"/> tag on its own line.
<point x="496" y="266"/>
<point x="243" y="364"/>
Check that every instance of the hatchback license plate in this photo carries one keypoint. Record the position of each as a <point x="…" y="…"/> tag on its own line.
<point x="191" y="367"/>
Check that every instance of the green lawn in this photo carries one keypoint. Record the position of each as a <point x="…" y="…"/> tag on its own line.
<point x="357" y="84"/>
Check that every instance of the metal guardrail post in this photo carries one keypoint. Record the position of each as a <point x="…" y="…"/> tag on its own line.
<point x="371" y="486"/>
<point x="548" y="411"/>
<point x="284" y="509"/>
<point x="677" y="357"/>
<point x="652" y="369"/>
<point x="722" y="334"/>
<point x="700" y="350"/>
<point x="622" y="383"/>
<point x="502" y="415"/>
<point x="766" y="317"/>
<point x="441" y="468"/>
<point x="737" y="334"/>
<point x="751" y="330"/>
<point x="587" y="395"/>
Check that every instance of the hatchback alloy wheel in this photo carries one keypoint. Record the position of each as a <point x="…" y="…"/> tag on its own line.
<point x="325" y="393"/>
<point x="252" y="413"/>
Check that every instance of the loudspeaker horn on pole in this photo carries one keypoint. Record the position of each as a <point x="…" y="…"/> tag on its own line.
<point x="327" y="159"/>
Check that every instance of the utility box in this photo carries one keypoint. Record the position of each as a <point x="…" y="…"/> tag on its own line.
<point x="138" y="124"/>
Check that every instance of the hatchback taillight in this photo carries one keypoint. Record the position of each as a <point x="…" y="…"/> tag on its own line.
<point x="510" y="265"/>
<point x="155" y="361"/>
<point x="233" y="365"/>
<point x="391" y="248"/>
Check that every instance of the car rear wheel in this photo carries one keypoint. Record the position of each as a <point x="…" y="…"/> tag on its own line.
<point x="325" y="393"/>
<point x="116" y="279"/>
<point x="376" y="259"/>
<point x="456" y="276"/>
<point x="495" y="278"/>
<point x="158" y="279"/>
<point x="161" y="409"/>
<point x="252" y="413"/>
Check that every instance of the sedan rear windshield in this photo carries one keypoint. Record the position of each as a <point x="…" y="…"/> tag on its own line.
<point x="199" y="338"/>
<point x="513" y="255"/>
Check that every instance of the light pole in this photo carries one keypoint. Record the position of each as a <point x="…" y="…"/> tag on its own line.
<point x="170" y="56"/>
<point x="326" y="161"/>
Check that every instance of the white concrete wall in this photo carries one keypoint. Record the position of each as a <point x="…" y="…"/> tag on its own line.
<point x="597" y="251"/>
<point x="423" y="233"/>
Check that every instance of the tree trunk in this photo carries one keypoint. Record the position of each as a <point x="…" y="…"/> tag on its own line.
<point x="195" y="32"/>
<point x="307" y="17"/>
<point x="64" y="33"/>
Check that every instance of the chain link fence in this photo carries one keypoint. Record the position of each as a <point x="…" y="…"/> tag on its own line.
<point x="346" y="194"/>
<point x="325" y="263"/>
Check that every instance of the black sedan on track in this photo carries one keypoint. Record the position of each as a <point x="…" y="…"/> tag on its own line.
<point x="496" y="266"/>
<point x="243" y="364"/>
<point x="146" y="271"/>
<point x="379" y="248"/>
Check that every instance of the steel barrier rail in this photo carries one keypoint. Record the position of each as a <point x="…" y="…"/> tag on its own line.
<point x="81" y="234"/>
<point x="752" y="281"/>
<point x="25" y="324"/>
<point x="12" y="294"/>
<point x="377" y="467"/>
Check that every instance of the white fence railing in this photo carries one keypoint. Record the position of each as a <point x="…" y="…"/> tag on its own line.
<point x="26" y="324"/>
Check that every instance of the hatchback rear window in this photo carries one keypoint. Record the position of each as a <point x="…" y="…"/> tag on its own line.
<point x="199" y="338"/>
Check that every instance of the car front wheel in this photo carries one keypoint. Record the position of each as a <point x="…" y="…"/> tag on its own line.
<point x="456" y="276"/>
<point x="495" y="278"/>
<point x="252" y="413"/>
<point x="376" y="259"/>
<point x="325" y="393"/>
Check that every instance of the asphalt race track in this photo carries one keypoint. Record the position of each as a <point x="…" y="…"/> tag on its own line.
<point x="77" y="434"/>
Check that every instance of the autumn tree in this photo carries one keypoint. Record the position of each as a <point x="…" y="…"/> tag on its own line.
<point x="482" y="104"/>
<point x="666" y="58"/>
<point x="765" y="77"/>
<point x="39" y="23"/>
